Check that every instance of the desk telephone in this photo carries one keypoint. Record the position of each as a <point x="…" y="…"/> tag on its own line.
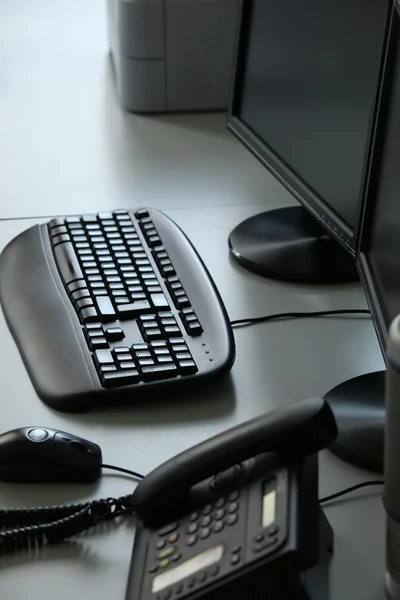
<point x="238" y="514"/>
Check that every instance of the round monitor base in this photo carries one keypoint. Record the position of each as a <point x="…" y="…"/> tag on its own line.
<point x="359" y="408"/>
<point x="289" y="245"/>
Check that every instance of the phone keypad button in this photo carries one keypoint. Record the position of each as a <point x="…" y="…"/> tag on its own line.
<point x="219" y="514"/>
<point x="204" y="533"/>
<point x="161" y="544"/>
<point x="259" y="537"/>
<point x="194" y="516"/>
<point x="164" y="563"/>
<point x="236" y="549"/>
<point x="231" y="519"/>
<point x="166" y="553"/>
<point x="207" y="509"/>
<point x="234" y="496"/>
<point x="174" y="538"/>
<point x="235" y="559"/>
<point x="168" y="529"/>
<point x="273" y="530"/>
<point x="214" y="570"/>
<point x="192" y="539"/>
<point x="205" y="522"/>
<point x="153" y="568"/>
<point x="218" y="526"/>
<point x="233" y="507"/>
<point x="203" y="576"/>
<point x="178" y="588"/>
<point x="190" y="582"/>
<point x="220" y="503"/>
<point x="193" y="527"/>
<point x="176" y="557"/>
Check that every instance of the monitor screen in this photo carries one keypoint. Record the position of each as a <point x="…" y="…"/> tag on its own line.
<point x="380" y="240"/>
<point x="304" y="98"/>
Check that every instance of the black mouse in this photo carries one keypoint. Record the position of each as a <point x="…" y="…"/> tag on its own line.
<point x="41" y="454"/>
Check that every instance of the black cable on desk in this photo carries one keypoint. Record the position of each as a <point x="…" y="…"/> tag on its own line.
<point x="298" y="315"/>
<point x="121" y="470"/>
<point x="353" y="488"/>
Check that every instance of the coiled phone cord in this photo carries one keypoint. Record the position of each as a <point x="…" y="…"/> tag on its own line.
<point x="33" y="528"/>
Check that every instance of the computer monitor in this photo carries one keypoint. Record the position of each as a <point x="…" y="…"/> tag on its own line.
<point x="303" y="100"/>
<point x="359" y="403"/>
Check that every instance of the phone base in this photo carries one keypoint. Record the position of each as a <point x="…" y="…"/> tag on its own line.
<point x="359" y="408"/>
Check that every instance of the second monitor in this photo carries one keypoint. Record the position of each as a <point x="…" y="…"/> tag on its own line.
<point x="303" y="101"/>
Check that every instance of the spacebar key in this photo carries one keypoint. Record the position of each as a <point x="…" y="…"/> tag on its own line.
<point x="67" y="262"/>
<point x="159" y="372"/>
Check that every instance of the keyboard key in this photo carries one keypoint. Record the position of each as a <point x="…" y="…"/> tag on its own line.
<point x="114" y="334"/>
<point x="67" y="262"/>
<point x="89" y="219"/>
<point x="116" y="286"/>
<point x="122" y="300"/>
<point x="128" y="365"/>
<point x="103" y="357"/>
<point x="179" y="348"/>
<point x="172" y="330"/>
<point x="58" y="239"/>
<point x="79" y="294"/>
<point x="83" y="303"/>
<point x="156" y="372"/>
<point x="138" y="347"/>
<point x="143" y="354"/>
<point x="170" y="321"/>
<point x="55" y="223"/>
<point x="153" y="289"/>
<point x="92" y="226"/>
<point x="116" y="293"/>
<point x="161" y="351"/>
<point x="187" y="367"/>
<point x="194" y="328"/>
<point x="100" y="292"/>
<point x="159" y="344"/>
<point x="146" y="362"/>
<point x="88" y="314"/>
<point x="97" y="342"/>
<point x="164" y="359"/>
<point x="183" y="356"/>
<point x="182" y="302"/>
<point x="138" y="296"/>
<point x="103" y="216"/>
<point x="113" y="279"/>
<point x="120" y="378"/>
<point x="110" y="271"/>
<point x="152" y="334"/>
<point x="105" y="308"/>
<point x="133" y="310"/>
<point x="77" y="285"/>
<point x="82" y="245"/>
<point x="95" y="278"/>
<point x="141" y="213"/>
<point x="121" y="350"/>
<point x="159" y="301"/>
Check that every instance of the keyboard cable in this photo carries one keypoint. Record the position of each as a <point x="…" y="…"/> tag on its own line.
<point x="298" y="315"/>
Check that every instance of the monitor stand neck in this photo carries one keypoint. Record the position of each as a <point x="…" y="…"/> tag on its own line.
<point x="289" y="245"/>
<point x="359" y="408"/>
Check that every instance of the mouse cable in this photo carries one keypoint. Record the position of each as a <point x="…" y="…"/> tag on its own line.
<point x="353" y="488"/>
<point x="121" y="470"/>
<point x="298" y="315"/>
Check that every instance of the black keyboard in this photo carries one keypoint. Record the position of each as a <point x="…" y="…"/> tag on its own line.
<point x="111" y="308"/>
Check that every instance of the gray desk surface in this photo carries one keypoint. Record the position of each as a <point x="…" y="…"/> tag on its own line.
<point x="276" y="363"/>
<point x="66" y="144"/>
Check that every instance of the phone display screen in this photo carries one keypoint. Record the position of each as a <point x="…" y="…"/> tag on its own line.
<point x="269" y="503"/>
<point x="190" y="567"/>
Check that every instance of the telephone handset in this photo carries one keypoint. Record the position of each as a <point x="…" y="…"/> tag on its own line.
<point x="245" y="499"/>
